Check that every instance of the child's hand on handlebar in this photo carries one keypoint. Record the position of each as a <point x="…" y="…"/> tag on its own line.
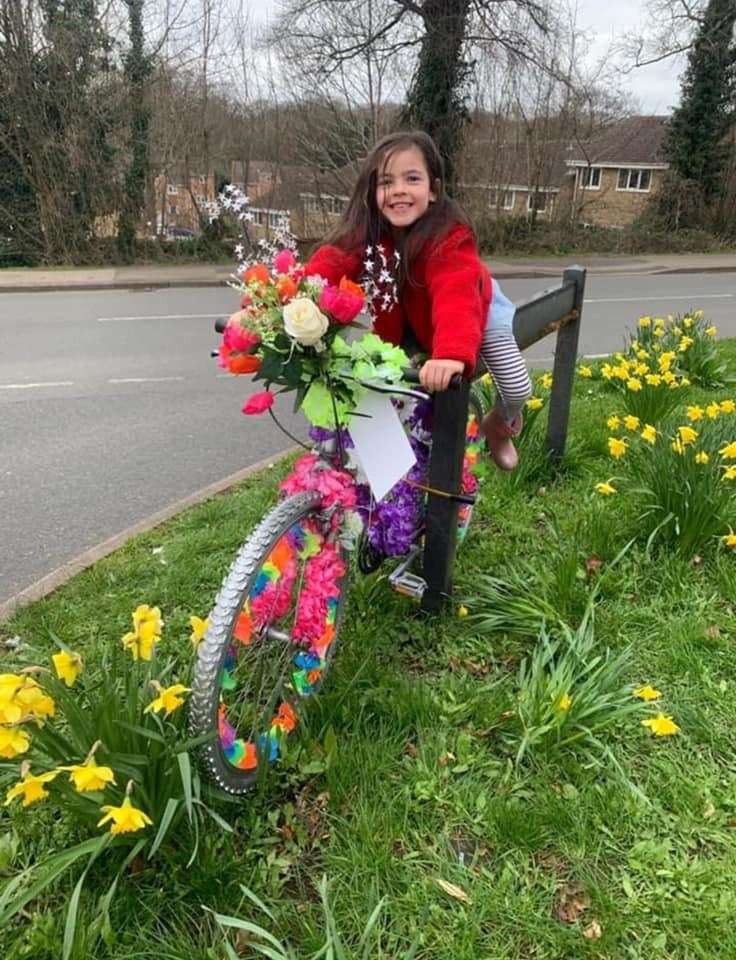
<point x="435" y="375"/>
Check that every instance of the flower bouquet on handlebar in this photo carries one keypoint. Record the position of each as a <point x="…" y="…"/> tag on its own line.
<point x="273" y="631"/>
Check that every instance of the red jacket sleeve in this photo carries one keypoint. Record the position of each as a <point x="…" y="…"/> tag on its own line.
<point x="333" y="264"/>
<point x="459" y="287"/>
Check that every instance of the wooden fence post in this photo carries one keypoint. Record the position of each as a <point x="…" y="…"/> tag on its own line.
<point x="563" y="373"/>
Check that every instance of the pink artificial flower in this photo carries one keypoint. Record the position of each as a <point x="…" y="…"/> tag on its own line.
<point x="258" y="403"/>
<point x="283" y="261"/>
<point x="341" y="303"/>
<point x="238" y="338"/>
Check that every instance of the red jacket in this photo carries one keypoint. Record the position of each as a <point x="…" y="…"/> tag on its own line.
<point x="445" y="303"/>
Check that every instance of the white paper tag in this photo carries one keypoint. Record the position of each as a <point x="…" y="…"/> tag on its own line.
<point x="381" y="444"/>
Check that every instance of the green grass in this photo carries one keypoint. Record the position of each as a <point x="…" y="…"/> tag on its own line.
<point x="402" y="775"/>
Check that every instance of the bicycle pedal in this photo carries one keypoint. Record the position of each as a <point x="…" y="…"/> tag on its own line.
<point x="408" y="584"/>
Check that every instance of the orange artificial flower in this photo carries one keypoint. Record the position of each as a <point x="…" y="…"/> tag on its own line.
<point x="351" y="287"/>
<point x="257" y="274"/>
<point x="286" y="719"/>
<point x="242" y="363"/>
<point x="287" y="289"/>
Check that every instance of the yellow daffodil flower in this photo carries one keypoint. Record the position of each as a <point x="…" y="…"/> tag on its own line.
<point x="607" y="371"/>
<point x="613" y="423"/>
<point x="687" y="322"/>
<point x="668" y="377"/>
<point x="642" y="354"/>
<point x="68" y="666"/>
<point x="199" y="628"/>
<point x="168" y="699"/>
<point x="676" y="330"/>
<point x="713" y="410"/>
<point x="534" y="403"/>
<point x="729" y="539"/>
<point x="649" y="433"/>
<point x="661" y="726"/>
<point x="687" y="435"/>
<point x="617" y="448"/>
<point x="653" y="379"/>
<point x="729" y="473"/>
<point x="677" y="446"/>
<point x="685" y="344"/>
<point x="125" y="818"/>
<point x="684" y="382"/>
<point x="702" y="457"/>
<point x="641" y="369"/>
<point x="659" y="331"/>
<point x="647" y="693"/>
<point x="31" y="788"/>
<point x="565" y="702"/>
<point x="621" y="372"/>
<point x="711" y="331"/>
<point x="462" y="611"/>
<point x="546" y="380"/>
<point x="698" y="315"/>
<point x="605" y="488"/>
<point x="147" y="624"/>
<point x="666" y="360"/>
<point x="486" y="378"/>
<point x="728" y="452"/>
<point x="645" y="322"/>
<point x="585" y="372"/>
<point x="34" y="703"/>
<point x="631" y="422"/>
<point x="694" y="413"/>
<point x="728" y="406"/>
<point x="88" y="776"/>
<point x="13" y="742"/>
<point x="633" y="384"/>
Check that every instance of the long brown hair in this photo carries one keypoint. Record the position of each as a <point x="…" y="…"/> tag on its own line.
<point x="362" y="223"/>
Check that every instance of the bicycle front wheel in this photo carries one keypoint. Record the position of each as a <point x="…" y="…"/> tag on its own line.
<point x="270" y="641"/>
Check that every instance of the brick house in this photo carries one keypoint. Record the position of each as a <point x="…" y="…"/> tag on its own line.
<point x="177" y="204"/>
<point x="611" y="178"/>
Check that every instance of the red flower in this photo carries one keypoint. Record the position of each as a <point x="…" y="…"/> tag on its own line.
<point x="342" y="303"/>
<point x="258" y="403"/>
<point x="242" y="363"/>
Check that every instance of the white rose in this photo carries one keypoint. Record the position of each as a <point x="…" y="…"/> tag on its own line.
<point x="304" y="321"/>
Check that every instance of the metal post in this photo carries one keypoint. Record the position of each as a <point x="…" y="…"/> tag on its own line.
<point x="449" y="422"/>
<point x="563" y="373"/>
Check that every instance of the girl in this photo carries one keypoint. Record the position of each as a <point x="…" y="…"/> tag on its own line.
<point x="399" y="211"/>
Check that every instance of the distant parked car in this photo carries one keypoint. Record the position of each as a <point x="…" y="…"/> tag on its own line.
<point x="179" y="233"/>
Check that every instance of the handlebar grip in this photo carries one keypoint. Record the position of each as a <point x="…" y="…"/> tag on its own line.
<point x="411" y="375"/>
<point x="220" y="325"/>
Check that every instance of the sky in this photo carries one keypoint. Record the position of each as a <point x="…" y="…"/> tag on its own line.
<point x="655" y="87"/>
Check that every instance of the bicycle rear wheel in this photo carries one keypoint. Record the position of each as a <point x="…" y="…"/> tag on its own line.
<point x="477" y="409"/>
<point x="270" y="641"/>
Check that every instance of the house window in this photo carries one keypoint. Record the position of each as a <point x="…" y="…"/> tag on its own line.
<point x="537" y="201"/>
<point x="172" y="189"/>
<point x="590" y="178"/>
<point x="501" y="198"/>
<point x="638" y="180"/>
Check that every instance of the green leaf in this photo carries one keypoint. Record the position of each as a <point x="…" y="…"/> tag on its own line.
<point x="169" y="812"/>
<point x="141" y="731"/>
<point x="185" y="768"/>
<point x="70" y="925"/>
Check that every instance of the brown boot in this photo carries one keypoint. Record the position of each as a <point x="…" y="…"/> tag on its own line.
<point x="498" y="434"/>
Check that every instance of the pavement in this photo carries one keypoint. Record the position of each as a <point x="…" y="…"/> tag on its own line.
<point x="215" y="275"/>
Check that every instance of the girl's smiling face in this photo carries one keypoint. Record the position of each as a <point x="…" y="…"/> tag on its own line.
<point x="403" y="188"/>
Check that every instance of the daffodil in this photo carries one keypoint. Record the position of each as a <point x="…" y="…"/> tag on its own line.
<point x="607" y="371"/>
<point x="687" y="322"/>
<point x="668" y="377"/>
<point x="199" y="628"/>
<point x="653" y="379"/>
<point x="633" y="384"/>
<point x="586" y="372"/>
<point x="666" y="360"/>
<point x="728" y="406"/>
<point x="613" y="423"/>
<point x="694" y="413"/>
<point x="546" y="380"/>
<point x="677" y="446"/>
<point x="698" y="315"/>
<point x="713" y="410"/>
<point x="729" y="473"/>
<point x="13" y="742"/>
<point x="462" y="611"/>
<point x="565" y="702"/>
<point x="687" y="435"/>
<point x="486" y="378"/>
<point x="649" y="433"/>
<point x="645" y="322"/>
<point x="88" y="776"/>
<point x="647" y="693"/>
<point x="728" y="452"/>
<point x="642" y="354"/>
<point x="67" y="666"/>
<point x="30" y="788"/>
<point x="702" y="457"/>
<point x="685" y="344"/>
<point x="605" y="488"/>
<point x="617" y="447"/>
<point x="34" y="703"/>
<point x="729" y="539"/>
<point x="125" y="819"/>
<point x="147" y="624"/>
<point x="169" y="699"/>
<point x="534" y="403"/>
<point x="631" y="422"/>
<point x="661" y="726"/>
<point x="711" y="331"/>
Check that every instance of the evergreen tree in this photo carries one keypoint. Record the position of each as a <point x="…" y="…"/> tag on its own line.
<point x="696" y="136"/>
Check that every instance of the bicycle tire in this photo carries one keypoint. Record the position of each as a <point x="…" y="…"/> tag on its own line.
<point x="225" y="657"/>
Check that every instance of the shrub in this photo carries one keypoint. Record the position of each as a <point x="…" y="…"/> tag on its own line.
<point x="691" y="338"/>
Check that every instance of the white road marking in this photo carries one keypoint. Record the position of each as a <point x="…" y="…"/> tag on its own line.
<point x="166" y="316"/>
<point x="694" y="297"/>
<point x="29" y="386"/>
<point x="143" y="379"/>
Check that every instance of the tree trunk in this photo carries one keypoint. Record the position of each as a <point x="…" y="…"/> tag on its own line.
<point x="437" y="98"/>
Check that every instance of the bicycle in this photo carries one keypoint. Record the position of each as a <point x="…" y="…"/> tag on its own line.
<point x="273" y="631"/>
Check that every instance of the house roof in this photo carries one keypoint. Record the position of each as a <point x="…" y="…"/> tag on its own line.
<point x="635" y="140"/>
<point x="520" y="165"/>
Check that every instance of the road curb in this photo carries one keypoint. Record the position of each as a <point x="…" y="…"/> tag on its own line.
<point x="46" y="585"/>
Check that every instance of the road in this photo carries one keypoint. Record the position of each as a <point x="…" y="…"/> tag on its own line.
<point x="111" y="408"/>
